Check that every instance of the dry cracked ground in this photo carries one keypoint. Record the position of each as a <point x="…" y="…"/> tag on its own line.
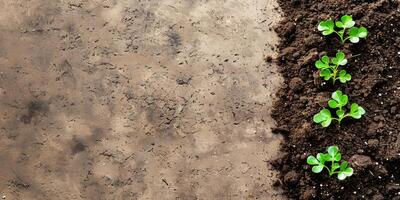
<point x="137" y="99"/>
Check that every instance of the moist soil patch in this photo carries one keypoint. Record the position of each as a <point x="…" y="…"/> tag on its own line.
<point x="372" y="143"/>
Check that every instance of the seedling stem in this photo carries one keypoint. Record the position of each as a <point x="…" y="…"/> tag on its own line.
<point x="330" y="68"/>
<point x="338" y="101"/>
<point x="341" y="34"/>
<point x="346" y="22"/>
<point x="318" y="163"/>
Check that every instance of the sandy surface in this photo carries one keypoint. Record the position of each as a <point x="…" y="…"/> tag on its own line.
<point x="137" y="99"/>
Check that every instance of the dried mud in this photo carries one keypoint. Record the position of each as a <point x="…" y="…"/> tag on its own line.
<point x="132" y="99"/>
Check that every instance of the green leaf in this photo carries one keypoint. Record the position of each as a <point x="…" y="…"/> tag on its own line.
<point x="317" y="169"/>
<point x="356" y="111"/>
<point x="325" y="59"/>
<point x="340" y="58"/>
<point x="353" y="35"/>
<point x="340" y="113"/>
<point x="335" y="166"/>
<point x="347" y="21"/>
<point x="333" y="104"/>
<point x="326" y="73"/>
<point x="323" y="117"/>
<point x="323" y="63"/>
<point x="345" y="173"/>
<point x="348" y="171"/>
<point x="356" y="33"/>
<point x="334" y="154"/>
<point x="338" y="99"/>
<point x="341" y="176"/>
<point x="327" y="27"/>
<point x="333" y="150"/>
<point x="344" y="165"/>
<point x="311" y="160"/>
<point x="338" y="157"/>
<point x="321" y="157"/>
<point x="339" y="24"/>
<point x="362" y="32"/>
<point x="344" y="76"/>
<point x="340" y="55"/>
<point x="326" y="157"/>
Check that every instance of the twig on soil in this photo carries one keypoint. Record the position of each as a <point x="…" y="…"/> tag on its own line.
<point x="355" y="56"/>
<point x="165" y="181"/>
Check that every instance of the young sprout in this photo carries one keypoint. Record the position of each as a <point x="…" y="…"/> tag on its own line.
<point x="346" y="23"/>
<point x="332" y="157"/>
<point x="330" y="68"/>
<point x="338" y="102"/>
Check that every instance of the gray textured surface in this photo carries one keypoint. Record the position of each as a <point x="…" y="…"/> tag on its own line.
<point x="137" y="99"/>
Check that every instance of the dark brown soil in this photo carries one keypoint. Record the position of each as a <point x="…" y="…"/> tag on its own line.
<point x="371" y="144"/>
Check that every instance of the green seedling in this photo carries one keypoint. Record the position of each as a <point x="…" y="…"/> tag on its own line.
<point x="332" y="157"/>
<point x="347" y="30"/>
<point x="330" y="68"/>
<point x="338" y="102"/>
